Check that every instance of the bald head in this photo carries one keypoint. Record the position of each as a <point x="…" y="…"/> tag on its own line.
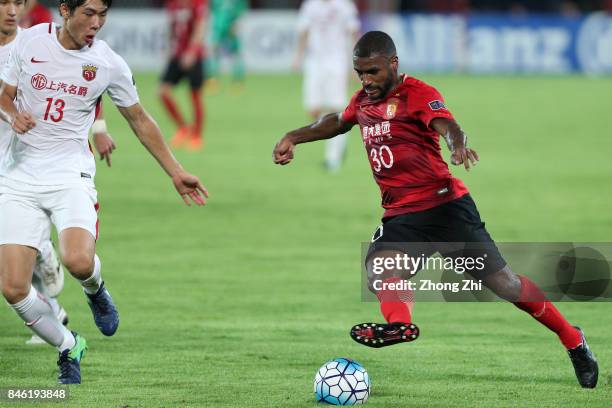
<point x="374" y="43"/>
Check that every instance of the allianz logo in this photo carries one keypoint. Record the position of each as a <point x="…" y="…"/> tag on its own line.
<point x="594" y="44"/>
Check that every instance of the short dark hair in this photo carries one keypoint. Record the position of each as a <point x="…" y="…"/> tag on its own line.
<point x="374" y="43"/>
<point x="73" y="4"/>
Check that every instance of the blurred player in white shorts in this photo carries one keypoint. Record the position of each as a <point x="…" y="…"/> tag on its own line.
<point x="48" y="274"/>
<point x="52" y="83"/>
<point x="327" y="29"/>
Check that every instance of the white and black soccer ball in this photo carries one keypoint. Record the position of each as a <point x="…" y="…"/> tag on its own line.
<point x="342" y="382"/>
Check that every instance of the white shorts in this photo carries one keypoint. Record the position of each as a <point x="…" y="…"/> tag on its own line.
<point x="26" y="217"/>
<point x="325" y="87"/>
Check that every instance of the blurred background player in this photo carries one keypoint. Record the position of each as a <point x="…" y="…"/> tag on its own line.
<point x="224" y="37"/>
<point x="187" y="31"/>
<point x="327" y="28"/>
<point x="35" y="13"/>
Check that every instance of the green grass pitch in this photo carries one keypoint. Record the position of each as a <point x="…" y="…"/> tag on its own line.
<point x="239" y="303"/>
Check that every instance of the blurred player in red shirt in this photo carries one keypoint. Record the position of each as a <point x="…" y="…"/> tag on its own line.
<point x="187" y="51"/>
<point x="36" y="14"/>
<point x="427" y="210"/>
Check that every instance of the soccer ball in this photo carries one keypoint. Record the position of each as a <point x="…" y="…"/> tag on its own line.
<point x="342" y="382"/>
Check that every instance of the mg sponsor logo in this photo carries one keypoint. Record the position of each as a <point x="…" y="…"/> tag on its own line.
<point x="39" y="81"/>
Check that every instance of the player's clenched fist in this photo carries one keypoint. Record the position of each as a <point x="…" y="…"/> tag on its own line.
<point x="23" y="122"/>
<point x="283" y="151"/>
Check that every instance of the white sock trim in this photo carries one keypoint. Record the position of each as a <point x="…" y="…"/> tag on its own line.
<point x="68" y="343"/>
<point x="93" y="283"/>
<point x="25" y="304"/>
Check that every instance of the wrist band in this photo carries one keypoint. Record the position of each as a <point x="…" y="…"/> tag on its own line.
<point x="99" y="126"/>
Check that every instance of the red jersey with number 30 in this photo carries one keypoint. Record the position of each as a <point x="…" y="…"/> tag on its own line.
<point x="404" y="151"/>
<point x="184" y="15"/>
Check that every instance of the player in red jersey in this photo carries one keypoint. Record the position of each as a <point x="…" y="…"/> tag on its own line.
<point x="187" y="30"/>
<point x="427" y="210"/>
<point x="35" y="14"/>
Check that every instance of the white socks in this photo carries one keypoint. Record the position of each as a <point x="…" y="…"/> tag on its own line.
<point x="93" y="283"/>
<point x="334" y="151"/>
<point x="40" y="318"/>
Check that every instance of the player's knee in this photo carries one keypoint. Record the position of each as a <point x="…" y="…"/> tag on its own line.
<point x="375" y="274"/>
<point x="80" y="264"/>
<point x="505" y="283"/>
<point x="14" y="293"/>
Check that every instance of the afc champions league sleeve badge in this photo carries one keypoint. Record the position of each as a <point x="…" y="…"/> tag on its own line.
<point x="391" y="109"/>
<point x="89" y="72"/>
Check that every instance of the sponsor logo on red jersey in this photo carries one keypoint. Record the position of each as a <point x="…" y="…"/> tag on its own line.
<point x="377" y="132"/>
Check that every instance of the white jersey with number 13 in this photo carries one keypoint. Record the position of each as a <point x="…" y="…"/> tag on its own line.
<point x="60" y="89"/>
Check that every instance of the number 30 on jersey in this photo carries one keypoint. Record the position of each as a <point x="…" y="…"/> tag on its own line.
<point x="381" y="157"/>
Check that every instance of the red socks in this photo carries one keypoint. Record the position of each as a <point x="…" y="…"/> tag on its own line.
<point x="533" y="301"/>
<point x="173" y="110"/>
<point x="396" y="305"/>
<point x="198" y="112"/>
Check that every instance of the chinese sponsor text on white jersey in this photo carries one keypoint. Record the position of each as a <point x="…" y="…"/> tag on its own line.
<point x="60" y="89"/>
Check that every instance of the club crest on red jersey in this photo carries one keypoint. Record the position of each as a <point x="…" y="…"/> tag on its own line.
<point x="89" y="72"/>
<point x="391" y="109"/>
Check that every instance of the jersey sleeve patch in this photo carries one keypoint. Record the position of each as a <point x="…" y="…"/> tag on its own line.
<point x="437" y="105"/>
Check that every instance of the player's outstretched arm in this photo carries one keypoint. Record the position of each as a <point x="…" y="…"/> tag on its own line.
<point x="147" y="131"/>
<point x="456" y="141"/>
<point x="325" y="128"/>
<point x="21" y="122"/>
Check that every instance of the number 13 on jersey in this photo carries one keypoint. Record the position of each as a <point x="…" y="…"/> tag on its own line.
<point x="381" y="157"/>
<point x="58" y="106"/>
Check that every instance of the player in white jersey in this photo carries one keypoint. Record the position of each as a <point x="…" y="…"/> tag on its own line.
<point x="48" y="276"/>
<point x="327" y="28"/>
<point x="54" y="77"/>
